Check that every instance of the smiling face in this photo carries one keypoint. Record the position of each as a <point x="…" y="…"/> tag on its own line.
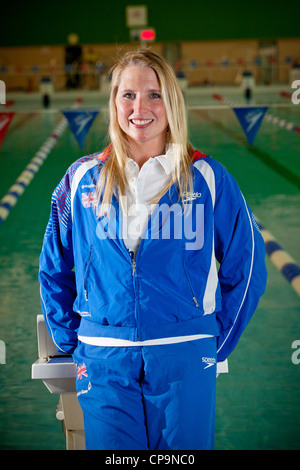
<point x="141" y="111"/>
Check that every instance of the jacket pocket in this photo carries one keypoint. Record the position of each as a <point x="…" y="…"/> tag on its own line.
<point x="189" y="279"/>
<point x="86" y="273"/>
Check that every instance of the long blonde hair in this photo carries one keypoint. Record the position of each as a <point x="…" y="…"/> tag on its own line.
<point x="113" y="178"/>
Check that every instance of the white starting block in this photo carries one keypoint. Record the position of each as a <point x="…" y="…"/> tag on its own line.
<point x="58" y="372"/>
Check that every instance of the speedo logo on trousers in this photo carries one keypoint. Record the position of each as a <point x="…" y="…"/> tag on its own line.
<point x="209" y="361"/>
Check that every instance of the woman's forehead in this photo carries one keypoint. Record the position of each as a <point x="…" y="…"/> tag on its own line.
<point x="139" y="75"/>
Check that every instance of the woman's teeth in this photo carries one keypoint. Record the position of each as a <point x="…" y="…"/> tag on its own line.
<point x="141" y="122"/>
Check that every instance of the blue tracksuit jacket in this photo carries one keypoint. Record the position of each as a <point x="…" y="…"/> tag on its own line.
<point x="198" y="271"/>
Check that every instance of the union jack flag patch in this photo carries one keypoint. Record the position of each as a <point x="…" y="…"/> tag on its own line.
<point x="89" y="199"/>
<point x="81" y="371"/>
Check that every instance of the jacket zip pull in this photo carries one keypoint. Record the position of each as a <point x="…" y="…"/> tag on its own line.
<point x="196" y="302"/>
<point x="131" y="253"/>
<point x="86" y="295"/>
<point x="133" y="267"/>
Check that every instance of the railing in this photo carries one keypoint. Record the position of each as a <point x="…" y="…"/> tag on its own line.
<point x="94" y="76"/>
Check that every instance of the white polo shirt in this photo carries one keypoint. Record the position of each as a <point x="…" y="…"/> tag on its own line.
<point x="143" y="186"/>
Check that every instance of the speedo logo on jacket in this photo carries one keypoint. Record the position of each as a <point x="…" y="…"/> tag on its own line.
<point x="209" y="361"/>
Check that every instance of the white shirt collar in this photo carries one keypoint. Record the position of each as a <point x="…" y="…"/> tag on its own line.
<point x="166" y="160"/>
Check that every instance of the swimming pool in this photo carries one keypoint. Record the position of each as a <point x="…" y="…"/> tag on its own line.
<point x="258" y="402"/>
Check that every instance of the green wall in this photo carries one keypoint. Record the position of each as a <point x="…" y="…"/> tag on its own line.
<point x="48" y="22"/>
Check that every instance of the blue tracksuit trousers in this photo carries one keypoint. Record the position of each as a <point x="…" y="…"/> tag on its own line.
<point x="148" y="398"/>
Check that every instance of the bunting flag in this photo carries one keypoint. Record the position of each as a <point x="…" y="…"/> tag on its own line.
<point x="80" y="123"/>
<point x="5" y="120"/>
<point x="250" y="120"/>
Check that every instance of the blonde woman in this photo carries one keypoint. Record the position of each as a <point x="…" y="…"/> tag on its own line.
<point x="128" y="274"/>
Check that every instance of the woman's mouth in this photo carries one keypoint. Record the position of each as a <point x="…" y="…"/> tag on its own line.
<point x="141" y="122"/>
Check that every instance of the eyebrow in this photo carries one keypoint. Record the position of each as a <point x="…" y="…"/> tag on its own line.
<point x="155" y="90"/>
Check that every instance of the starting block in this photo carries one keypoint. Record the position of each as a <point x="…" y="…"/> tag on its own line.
<point x="58" y="373"/>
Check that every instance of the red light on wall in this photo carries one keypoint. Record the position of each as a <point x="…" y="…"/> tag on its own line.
<point x="147" y="35"/>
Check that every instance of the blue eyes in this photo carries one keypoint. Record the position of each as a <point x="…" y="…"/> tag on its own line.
<point x="131" y="95"/>
<point x="128" y="95"/>
<point x="155" y="95"/>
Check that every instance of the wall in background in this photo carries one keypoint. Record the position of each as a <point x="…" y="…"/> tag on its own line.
<point x="211" y="42"/>
<point x="95" y="21"/>
<point x="202" y="62"/>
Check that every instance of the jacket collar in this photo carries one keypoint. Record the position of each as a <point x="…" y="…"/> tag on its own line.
<point x="197" y="155"/>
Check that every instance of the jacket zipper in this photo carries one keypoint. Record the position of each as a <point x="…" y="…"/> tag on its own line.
<point x="133" y="263"/>
<point x="133" y="268"/>
<point x="86" y="274"/>
<point x="189" y="282"/>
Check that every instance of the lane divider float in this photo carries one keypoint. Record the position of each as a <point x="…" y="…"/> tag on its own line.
<point x="17" y="189"/>
<point x="281" y="259"/>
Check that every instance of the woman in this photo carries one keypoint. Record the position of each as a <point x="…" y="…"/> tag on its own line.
<point x="128" y="274"/>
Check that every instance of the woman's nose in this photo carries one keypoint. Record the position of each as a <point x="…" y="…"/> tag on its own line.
<point x="140" y="104"/>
